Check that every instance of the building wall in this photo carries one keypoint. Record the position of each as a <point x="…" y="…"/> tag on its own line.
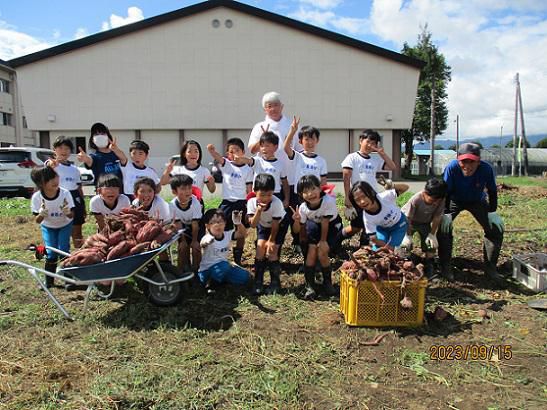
<point x="186" y="74"/>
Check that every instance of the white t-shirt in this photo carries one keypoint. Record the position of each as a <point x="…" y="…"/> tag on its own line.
<point x="131" y="173"/>
<point x="281" y="129"/>
<point x="327" y="208"/>
<point x="234" y="180"/>
<point x="308" y="165"/>
<point x="200" y="175"/>
<point x="275" y="167"/>
<point x="159" y="209"/>
<point x="217" y="251"/>
<point x="363" y="168"/>
<point x="192" y="212"/>
<point x="55" y="218"/>
<point x="98" y="207"/>
<point x="69" y="176"/>
<point x="388" y="215"/>
<point x="275" y="211"/>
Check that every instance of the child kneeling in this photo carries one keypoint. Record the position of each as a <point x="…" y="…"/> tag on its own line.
<point x="319" y="225"/>
<point x="215" y="246"/>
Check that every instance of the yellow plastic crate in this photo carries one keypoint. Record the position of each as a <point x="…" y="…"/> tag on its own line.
<point x="362" y="306"/>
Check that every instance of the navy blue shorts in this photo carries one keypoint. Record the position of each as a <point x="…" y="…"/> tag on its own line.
<point x="187" y="233"/>
<point x="229" y="206"/>
<point x="79" y="208"/>
<point x="264" y="233"/>
<point x="313" y="231"/>
<point x="358" y="222"/>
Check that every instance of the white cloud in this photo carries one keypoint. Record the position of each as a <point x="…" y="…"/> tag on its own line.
<point x="485" y="42"/>
<point x="134" y="14"/>
<point x="315" y="17"/>
<point x="56" y="34"/>
<point x="81" y="32"/>
<point x="330" y="20"/>
<point x="16" y="44"/>
<point x="351" y="25"/>
<point x="322" y="4"/>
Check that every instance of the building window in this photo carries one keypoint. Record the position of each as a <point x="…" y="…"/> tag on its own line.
<point x="77" y="142"/>
<point x="5" y="119"/>
<point x="25" y="125"/>
<point x="5" y="144"/>
<point x="4" y="86"/>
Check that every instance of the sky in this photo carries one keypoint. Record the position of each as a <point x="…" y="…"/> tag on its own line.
<point x="486" y="42"/>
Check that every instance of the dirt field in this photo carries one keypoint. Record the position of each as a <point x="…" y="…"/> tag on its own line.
<point x="277" y="352"/>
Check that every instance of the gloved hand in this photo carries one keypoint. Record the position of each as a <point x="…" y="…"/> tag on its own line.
<point x="446" y="223"/>
<point x="237" y="217"/>
<point x="407" y="242"/>
<point x="43" y="211"/>
<point x="350" y="213"/>
<point x="65" y="209"/>
<point x="206" y="241"/>
<point x="495" y="221"/>
<point x="431" y="241"/>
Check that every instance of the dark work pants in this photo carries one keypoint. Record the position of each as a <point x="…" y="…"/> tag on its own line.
<point x="493" y="237"/>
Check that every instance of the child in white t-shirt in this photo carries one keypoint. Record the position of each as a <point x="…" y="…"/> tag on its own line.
<point x="69" y="179"/>
<point x="215" y="244"/>
<point x="190" y="164"/>
<point x="319" y="225"/>
<point x="136" y="168"/>
<point x="237" y="181"/>
<point x="146" y="197"/>
<point x="265" y="212"/>
<point x="359" y="166"/>
<point x="109" y="200"/>
<point x="186" y="209"/>
<point x="53" y="207"/>
<point x="383" y="220"/>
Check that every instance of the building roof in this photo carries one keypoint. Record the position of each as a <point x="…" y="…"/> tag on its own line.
<point x="427" y="152"/>
<point x="5" y="65"/>
<point x="205" y="6"/>
<point x="536" y="156"/>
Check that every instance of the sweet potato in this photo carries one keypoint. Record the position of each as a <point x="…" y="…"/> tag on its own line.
<point x="118" y="250"/>
<point x="163" y="237"/>
<point x="141" y="247"/>
<point x="115" y="238"/>
<point x="149" y="231"/>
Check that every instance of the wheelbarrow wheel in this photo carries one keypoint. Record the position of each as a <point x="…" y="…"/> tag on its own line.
<point x="166" y="295"/>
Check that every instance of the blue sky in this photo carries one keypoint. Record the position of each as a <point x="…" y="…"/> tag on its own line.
<point x="484" y="41"/>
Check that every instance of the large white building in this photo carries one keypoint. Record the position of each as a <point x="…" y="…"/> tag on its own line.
<point x="200" y="73"/>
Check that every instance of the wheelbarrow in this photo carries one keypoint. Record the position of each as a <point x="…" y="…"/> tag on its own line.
<point x="160" y="281"/>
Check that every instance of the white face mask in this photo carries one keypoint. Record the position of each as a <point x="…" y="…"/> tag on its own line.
<point x="101" y="140"/>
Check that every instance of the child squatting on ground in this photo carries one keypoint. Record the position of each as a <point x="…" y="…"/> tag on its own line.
<point x="384" y="222"/>
<point x="53" y="207"/>
<point x="109" y="200"/>
<point x="319" y="225"/>
<point x="424" y="212"/>
<point x="215" y="244"/>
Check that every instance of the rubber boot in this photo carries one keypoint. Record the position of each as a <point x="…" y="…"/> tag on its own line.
<point x="260" y="267"/>
<point x="238" y="254"/>
<point x="309" y="277"/>
<point x="50" y="267"/>
<point x="327" y="281"/>
<point x="446" y="272"/>
<point x="275" y="281"/>
<point x="429" y="269"/>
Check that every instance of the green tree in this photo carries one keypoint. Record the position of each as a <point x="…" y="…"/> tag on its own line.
<point x="453" y="147"/>
<point x="495" y="146"/>
<point x="438" y="146"/>
<point x="542" y="143"/>
<point x="510" y="144"/>
<point x="431" y="96"/>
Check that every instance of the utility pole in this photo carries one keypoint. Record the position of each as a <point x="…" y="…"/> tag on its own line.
<point x="501" y="160"/>
<point x="522" y="129"/>
<point x="457" y="133"/>
<point x="432" y="128"/>
<point x="514" y="159"/>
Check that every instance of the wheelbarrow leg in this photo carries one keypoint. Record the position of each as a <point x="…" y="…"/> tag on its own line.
<point x="49" y="294"/>
<point x="87" y="295"/>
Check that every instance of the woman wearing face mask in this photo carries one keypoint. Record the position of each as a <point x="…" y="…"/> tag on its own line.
<point x="107" y="156"/>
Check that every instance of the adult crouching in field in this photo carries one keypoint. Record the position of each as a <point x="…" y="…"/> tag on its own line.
<point x="467" y="178"/>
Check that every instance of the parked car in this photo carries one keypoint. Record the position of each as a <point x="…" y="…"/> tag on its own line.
<point x="213" y="167"/>
<point x="16" y="164"/>
<point x="86" y="176"/>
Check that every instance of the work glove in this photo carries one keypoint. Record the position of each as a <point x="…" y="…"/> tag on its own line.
<point x="495" y="221"/>
<point x="237" y="216"/>
<point x="385" y="182"/>
<point x="446" y="223"/>
<point x="350" y="213"/>
<point x="431" y="241"/>
<point x="206" y="241"/>
<point x="43" y="211"/>
<point x="407" y="242"/>
<point x="65" y="209"/>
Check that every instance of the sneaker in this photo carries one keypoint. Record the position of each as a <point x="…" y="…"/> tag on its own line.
<point x="310" y="293"/>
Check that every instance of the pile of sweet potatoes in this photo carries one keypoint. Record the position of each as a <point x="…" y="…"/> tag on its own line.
<point x="129" y="233"/>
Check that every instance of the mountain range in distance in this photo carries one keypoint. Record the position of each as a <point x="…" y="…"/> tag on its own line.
<point x="486" y="142"/>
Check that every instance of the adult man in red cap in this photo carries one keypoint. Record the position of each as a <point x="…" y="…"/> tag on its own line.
<point x="468" y="178"/>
